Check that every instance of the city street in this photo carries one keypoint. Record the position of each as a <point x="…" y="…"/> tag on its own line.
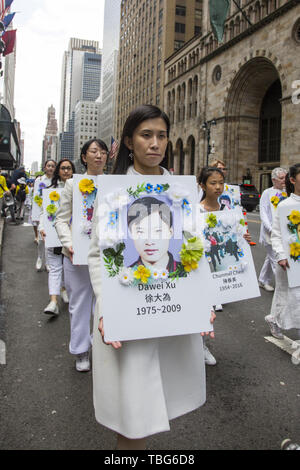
<point x="253" y="393"/>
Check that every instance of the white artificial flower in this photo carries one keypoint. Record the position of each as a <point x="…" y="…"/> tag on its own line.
<point x="292" y="239"/>
<point x="109" y="238"/>
<point x="244" y="266"/>
<point x="177" y="193"/>
<point x="155" y="273"/>
<point x="126" y="276"/>
<point x="164" y="274"/>
<point x="117" y="199"/>
<point x="86" y="227"/>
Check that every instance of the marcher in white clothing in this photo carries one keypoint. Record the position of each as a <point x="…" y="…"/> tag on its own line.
<point x="77" y="280"/>
<point x="63" y="171"/>
<point x="268" y="205"/>
<point x="46" y="179"/>
<point x="138" y="386"/>
<point x="212" y="181"/>
<point x="285" y="311"/>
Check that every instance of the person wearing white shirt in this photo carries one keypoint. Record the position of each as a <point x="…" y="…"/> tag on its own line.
<point x="268" y="204"/>
<point x="46" y="180"/>
<point x="285" y="310"/>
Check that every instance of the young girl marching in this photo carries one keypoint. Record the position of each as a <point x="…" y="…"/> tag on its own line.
<point x="44" y="182"/>
<point x="63" y="171"/>
<point x="285" y="310"/>
<point x="138" y="386"/>
<point x="211" y="180"/>
<point x="77" y="280"/>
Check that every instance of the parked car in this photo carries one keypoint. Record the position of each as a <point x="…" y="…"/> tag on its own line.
<point x="249" y="196"/>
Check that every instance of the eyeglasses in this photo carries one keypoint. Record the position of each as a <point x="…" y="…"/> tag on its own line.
<point x="66" y="168"/>
<point x="101" y="152"/>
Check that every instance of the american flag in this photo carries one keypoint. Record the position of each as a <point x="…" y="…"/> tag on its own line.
<point x="113" y="148"/>
<point x="4" y="7"/>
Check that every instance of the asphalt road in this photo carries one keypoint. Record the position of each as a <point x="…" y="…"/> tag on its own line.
<point x="253" y="393"/>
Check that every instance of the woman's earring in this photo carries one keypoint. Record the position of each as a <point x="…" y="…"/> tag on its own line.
<point x="131" y="156"/>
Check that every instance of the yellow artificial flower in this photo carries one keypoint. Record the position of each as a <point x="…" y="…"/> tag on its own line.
<point x="86" y="186"/>
<point x="284" y="194"/>
<point x="38" y="200"/>
<point x="275" y="201"/>
<point x="295" y="250"/>
<point x="142" y="274"/>
<point x="188" y="267"/>
<point x="191" y="253"/>
<point x="54" y="196"/>
<point x="294" y="217"/>
<point x="211" y="220"/>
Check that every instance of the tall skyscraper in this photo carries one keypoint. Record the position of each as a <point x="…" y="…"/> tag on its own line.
<point x="109" y="78"/>
<point x="150" y="32"/>
<point x="50" y="137"/>
<point x="81" y="79"/>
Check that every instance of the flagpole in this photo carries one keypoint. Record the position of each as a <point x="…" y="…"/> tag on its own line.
<point x="243" y="13"/>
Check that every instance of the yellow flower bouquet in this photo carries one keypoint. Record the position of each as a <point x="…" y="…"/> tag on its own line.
<point x="87" y="186"/>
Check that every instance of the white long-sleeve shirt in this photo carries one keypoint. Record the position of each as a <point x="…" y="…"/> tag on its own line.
<point x="267" y="212"/>
<point x="276" y="238"/>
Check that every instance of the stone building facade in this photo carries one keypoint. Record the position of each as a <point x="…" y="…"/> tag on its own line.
<point x="250" y="85"/>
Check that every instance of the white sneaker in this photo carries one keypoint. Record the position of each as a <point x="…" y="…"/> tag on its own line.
<point x="39" y="264"/>
<point x="36" y="240"/>
<point x="219" y="308"/>
<point x="274" y="328"/>
<point x="64" y="296"/>
<point x="208" y="357"/>
<point x="52" y="308"/>
<point x="267" y="287"/>
<point x="47" y="268"/>
<point x="83" y="362"/>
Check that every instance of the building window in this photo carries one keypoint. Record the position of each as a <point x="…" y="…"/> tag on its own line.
<point x="180" y="28"/>
<point x="180" y="10"/>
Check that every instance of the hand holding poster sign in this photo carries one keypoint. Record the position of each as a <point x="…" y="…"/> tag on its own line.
<point x="51" y="203"/>
<point x="84" y="194"/>
<point x="152" y="261"/>
<point x="290" y="229"/>
<point x="229" y="256"/>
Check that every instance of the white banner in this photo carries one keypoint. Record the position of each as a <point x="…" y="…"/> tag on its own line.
<point x="51" y="203"/>
<point x="85" y="189"/>
<point x="229" y="256"/>
<point x="155" y="278"/>
<point x="290" y="229"/>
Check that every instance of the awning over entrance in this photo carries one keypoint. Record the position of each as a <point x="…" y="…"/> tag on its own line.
<point x="10" y="152"/>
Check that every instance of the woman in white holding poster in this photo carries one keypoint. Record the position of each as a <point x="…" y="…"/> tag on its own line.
<point x="140" y="385"/>
<point x="77" y="279"/>
<point x="285" y="310"/>
<point x="63" y="171"/>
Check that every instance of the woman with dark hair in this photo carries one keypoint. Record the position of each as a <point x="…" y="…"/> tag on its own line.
<point x="43" y="181"/>
<point x="285" y="310"/>
<point x="135" y="124"/>
<point x="77" y="280"/>
<point x="140" y="385"/>
<point x="63" y="171"/>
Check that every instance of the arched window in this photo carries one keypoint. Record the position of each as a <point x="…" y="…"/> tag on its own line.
<point x="270" y="125"/>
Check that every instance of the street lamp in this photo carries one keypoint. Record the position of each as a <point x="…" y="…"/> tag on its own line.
<point x="206" y="127"/>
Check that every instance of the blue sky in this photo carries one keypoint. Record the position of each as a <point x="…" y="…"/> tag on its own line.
<point x="44" y="29"/>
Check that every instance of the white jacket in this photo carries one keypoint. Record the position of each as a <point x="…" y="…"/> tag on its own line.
<point x="62" y="222"/>
<point x="137" y="389"/>
<point x="267" y="212"/>
<point x="276" y="237"/>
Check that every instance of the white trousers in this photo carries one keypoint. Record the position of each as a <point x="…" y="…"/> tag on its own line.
<point x="267" y="272"/>
<point x="81" y="304"/>
<point x="55" y="277"/>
